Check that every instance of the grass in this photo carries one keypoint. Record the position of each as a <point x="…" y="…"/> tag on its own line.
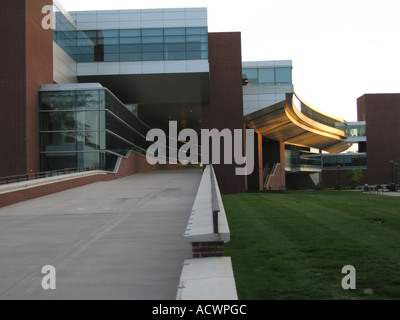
<point x="294" y="245"/>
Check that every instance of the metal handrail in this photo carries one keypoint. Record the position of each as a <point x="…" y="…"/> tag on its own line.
<point x="43" y="174"/>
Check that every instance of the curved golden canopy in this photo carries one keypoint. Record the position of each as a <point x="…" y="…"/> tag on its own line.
<point x="284" y="122"/>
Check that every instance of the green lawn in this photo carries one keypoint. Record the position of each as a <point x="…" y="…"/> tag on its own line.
<point x="293" y="245"/>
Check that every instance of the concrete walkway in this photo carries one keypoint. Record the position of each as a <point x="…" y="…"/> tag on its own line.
<point x="391" y="194"/>
<point x="121" y="239"/>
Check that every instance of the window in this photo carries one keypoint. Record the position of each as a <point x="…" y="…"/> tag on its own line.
<point x="175" y="32"/>
<point x="283" y="75"/>
<point x="57" y="121"/>
<point x="266" y="76"/>
<point x="130" y="33"/>
<point x="88" y="99"/>
<point x="152" y="32"/>
<point x="252" y="75"/>
<point x="114" y="45"/>
<point x="130" y="40"/>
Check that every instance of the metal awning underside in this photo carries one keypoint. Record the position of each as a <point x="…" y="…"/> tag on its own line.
<point x="283" y="122"/>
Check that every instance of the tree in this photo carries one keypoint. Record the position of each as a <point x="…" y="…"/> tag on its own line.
<point x="355" y="176"/>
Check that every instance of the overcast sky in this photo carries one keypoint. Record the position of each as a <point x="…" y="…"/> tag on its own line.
<point x="340" y="49"/>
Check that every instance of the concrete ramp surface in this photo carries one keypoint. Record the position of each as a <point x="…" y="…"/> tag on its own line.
<point x="121" y="239"/>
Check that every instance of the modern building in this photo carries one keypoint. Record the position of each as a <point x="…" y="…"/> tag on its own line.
<point x="86" y="91"/>
<point x="379" y="157"/>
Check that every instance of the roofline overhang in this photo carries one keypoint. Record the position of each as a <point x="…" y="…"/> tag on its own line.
<point x="284" y="122"/>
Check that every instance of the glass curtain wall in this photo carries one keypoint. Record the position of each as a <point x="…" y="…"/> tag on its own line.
<point x="344" y="161"/>
<point x="87" y="129"/>
<point x="268" y="76"/>
<point x="130" y="44"/>
<point x="72" y="41"/>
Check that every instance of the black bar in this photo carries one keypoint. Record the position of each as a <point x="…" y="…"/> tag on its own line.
<point x="215" y="220"/>
<point x="214" y="200"/>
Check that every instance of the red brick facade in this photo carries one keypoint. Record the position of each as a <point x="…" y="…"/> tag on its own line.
<point x="382" y="115"/>
<point x="225" y="109"/>
<point x="208" y="249"/>
<point x="26" y="62"/>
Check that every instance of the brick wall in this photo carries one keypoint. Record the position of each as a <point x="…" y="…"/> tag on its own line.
<point x="382" y="114"/>
<point x="225" y="109"/>
<point x="208" y="249"/>
<point x="26" y="61"/>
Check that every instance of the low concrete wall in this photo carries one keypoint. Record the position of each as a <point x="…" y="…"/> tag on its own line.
<point x="207" y="279"/>
<point x="200" y="228"/>
<point x="27" y="190"/>
<point x="209" y="276"/>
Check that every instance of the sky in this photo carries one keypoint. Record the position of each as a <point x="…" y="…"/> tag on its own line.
<point x="340" y="49"/>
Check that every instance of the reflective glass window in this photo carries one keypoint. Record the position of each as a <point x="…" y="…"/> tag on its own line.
<point x="84" y="58"/>
<point x="175" y="47"/>
<point x="192" y="31"/>
<point x="153" y="48"/>
<point x="108" y="33"/>
<point x="58" y="141"/>
<point x="130" y="56"/>
<point x="62" y="100"/>
<point x="130" y="33"/>
<point x="91" y="34"/>
<point x="130" y="40"/>
<point x="110" y="57"/>
<point x="152" y="40"/>
<point x="194" y="55"/>
<point x="101" y="45"/>
<point x="57" y="121"/>
<point x="110" y="41"/>
<point x="152" y="32"/>
<point x="193" y="38"/>
<point x="55" y="161"/>
<point x="88" y="141"/>
<point x="132" y="48"/>
<point x="283" y="75"/>
<point x="88" y="99"/>
<point x="175" y="32"/>
<point x="88" y="120"/>
<point x="194" y="46"/>
<point x="175" y="55"/>
<point x="252" y="75"/>
<point x="266" y="76"/>
<point x="175" y="39"/>
<point x="152" y="56"/>
<point x="111" y="49"/>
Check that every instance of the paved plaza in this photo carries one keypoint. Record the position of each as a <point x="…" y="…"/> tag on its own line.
<point x="121" y="239"/>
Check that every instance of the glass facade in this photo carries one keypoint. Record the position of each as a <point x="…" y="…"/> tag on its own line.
<point x="268" y="76"/>
<point x="298" y="159"/>
<point x="344" y="161"/>
<point x="87" y="129"/>
<point x="353" y="129"/>
<point x="130" y="44"/>
<point x="317" y="116"/>
<point x="67" y="37"/>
